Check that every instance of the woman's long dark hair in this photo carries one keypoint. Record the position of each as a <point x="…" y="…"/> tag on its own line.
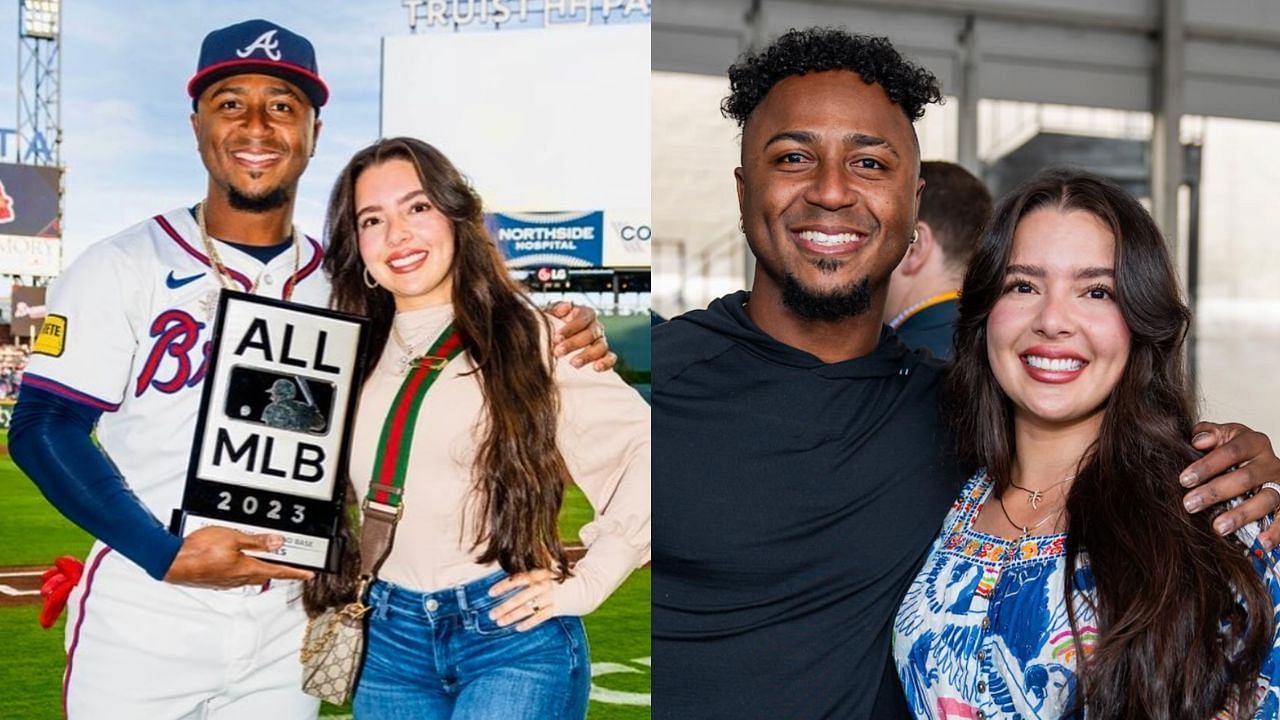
<point x="1184" y="621"/>
<point x="519" y="473"/>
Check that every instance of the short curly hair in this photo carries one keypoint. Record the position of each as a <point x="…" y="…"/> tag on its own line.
<point x="819" y="49"/>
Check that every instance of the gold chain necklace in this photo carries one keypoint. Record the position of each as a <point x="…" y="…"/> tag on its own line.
<point x="407" y="356"/>
<point x="1026" y="529"/>
<point x="1034" y="497"/>
<point x="224" y="275"/>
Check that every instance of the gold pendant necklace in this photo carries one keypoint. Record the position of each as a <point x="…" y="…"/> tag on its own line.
<point x="1034" y="497"/>
<point x="210" y="302"/>
<point x="408" y="356"/>
<point x="1026" y="529"/>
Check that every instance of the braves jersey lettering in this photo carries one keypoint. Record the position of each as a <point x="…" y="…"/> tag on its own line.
<point x="176" y="333"/>
<point x="266" y="42"/>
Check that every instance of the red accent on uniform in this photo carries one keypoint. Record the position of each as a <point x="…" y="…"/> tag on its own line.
<point x="75" y="634"/>
<point x="247" y="63"/>
<point x="176" y="333"/>
<point x="70" y="393"/>
<point x="55" y="586"/>
<point x="177" y="237"/>
<point x="317" y="254"/>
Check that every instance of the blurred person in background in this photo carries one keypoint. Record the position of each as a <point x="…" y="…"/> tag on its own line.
<point x="925" y="287"/>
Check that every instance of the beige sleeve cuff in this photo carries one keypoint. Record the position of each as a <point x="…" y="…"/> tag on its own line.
<point x="609" y="560"/>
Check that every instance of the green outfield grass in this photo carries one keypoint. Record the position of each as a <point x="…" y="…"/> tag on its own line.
<point x="32" y="659"/>
<point x="30" y="666"/>
<point x="31" y="532"/>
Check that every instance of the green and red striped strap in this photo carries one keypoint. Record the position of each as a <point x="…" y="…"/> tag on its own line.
<point x="392" y="460"/>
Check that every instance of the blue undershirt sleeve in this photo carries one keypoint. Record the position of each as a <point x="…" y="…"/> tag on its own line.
<point x="49" y="438"/>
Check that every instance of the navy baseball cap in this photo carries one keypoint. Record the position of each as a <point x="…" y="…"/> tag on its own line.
<point x="258" y="47"/>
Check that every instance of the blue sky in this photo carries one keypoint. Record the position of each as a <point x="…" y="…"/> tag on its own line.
<point x="127" y="143"/>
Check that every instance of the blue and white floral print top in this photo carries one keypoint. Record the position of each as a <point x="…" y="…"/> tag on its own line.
<point x="983" y="630"/>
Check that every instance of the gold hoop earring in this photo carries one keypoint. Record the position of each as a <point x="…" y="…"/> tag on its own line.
<point x="369" y="280"/>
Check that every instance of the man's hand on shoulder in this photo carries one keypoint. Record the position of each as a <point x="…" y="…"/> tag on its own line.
<point x="1237" y="462"/>
<point x="581" y="331"/>
<point x="213" y="557"/>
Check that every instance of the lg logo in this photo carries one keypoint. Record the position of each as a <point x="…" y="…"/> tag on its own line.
<point x="546" y="274"/>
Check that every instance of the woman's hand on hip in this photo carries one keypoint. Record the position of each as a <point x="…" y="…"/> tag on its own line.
<point x="530" y="607"/>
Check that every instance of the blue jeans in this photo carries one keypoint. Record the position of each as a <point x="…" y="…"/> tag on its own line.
<point x="437" y="656"/>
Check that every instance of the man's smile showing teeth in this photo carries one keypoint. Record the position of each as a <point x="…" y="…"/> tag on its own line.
<point x="1053" y="364"/>
<point x="407" y="260"/>
<point x="256" y="158"/>
<point x="821" y="238"/>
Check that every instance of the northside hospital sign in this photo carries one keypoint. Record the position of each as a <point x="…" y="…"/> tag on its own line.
<point x="597" y="238"/>
<point x="523" y="13"/>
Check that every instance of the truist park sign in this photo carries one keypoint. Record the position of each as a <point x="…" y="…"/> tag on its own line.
<point x="499" y="14"/>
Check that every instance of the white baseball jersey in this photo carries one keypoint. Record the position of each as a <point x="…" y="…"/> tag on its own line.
<point x="128" y="332"/>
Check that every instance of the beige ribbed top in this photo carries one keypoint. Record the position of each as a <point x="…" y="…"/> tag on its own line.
<point x="603" y="436"/>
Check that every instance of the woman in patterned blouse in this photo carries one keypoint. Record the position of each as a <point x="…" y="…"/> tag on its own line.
<point x="1068" y="580"/>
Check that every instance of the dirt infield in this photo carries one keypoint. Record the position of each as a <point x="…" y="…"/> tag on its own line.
<point x="20" y="585"/>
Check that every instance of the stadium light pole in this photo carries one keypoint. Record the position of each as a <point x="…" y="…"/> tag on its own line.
<point x="39" y="82"/>
<point x="39" y="137"/>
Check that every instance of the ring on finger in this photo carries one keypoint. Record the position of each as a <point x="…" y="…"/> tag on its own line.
<point x="533" y="605"/>
<point x="1274" y="487"/>
<point x="597" y="331"/>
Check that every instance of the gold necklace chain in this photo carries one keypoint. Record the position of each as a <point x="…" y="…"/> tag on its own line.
<point x="1026" y="529"/>
<point x="395" y="335"/>
<point x="406" y="347"/>
<point x="224" y="275"/>
<point x="1034" y="497"/>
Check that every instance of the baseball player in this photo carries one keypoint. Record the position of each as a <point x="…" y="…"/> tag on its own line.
<point x="124" y="348"/>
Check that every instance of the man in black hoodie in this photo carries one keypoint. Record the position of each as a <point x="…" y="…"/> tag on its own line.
<point x="801" y="466"/>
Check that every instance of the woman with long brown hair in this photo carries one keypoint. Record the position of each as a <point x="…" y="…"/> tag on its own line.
<point x="475" y="612"/>
<point x="1068" y="580"/>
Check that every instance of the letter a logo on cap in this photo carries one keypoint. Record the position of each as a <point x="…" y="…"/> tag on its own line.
<point x="266" y="42"/>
